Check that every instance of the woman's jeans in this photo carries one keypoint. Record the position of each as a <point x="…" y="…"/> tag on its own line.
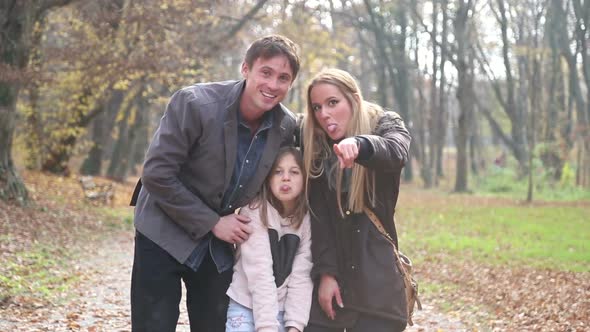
<point x="241" y="319"/>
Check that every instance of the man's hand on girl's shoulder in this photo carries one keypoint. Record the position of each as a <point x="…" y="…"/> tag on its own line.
<point x="233" y="228"/>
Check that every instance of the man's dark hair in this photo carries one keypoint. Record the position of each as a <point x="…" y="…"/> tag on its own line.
<point x="273" y="45"/>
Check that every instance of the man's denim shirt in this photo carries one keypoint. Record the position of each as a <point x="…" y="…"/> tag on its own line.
<point x="249" y="152"/>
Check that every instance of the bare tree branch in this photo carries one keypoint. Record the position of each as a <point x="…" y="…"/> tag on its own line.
<point x="486" y="67"/>
<point x="245" y="19"/>
<point x="451" y="51"/>
<point x="495" y="125"/>
<point x="49" y="4"/>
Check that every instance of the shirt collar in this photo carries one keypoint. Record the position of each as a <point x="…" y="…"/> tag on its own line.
<point x="267" y="119"/>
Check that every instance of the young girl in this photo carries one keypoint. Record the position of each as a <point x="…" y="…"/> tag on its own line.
<point x="271" y="286"/>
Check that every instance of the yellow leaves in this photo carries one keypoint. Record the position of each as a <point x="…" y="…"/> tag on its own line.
<point x="189" y="72"/>
<point x="525" y="50"/>
<point x="122" y="85"/>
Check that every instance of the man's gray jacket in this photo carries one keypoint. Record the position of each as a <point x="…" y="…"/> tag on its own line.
<point x="190" y="161"/>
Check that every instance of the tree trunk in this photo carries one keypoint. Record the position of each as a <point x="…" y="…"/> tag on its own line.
<point x="513" y="107"/>
<point x="18" y="18"/>
<point x="93" y="162"/>
<point x="442" y="116"/>
<point x="119" y="156"/>
<point x="579" y="129"/>
<point x="33" y="118"/>
<point x="420" y="138"/>
<point x="465" y="95"/>
<point x="465" y="110"/>
<point x="129" y="129"/>
<point x="582" y="13"/>
<point x="11" y="185"/>
<point x="475" y="146"/>
<point x="551" y="127"/>
<point x="433" y="112"/>
<point x="60" y="151"/>
<point x="34" y="127"/>
<point x="135" y="137"/>
<point x="124" y="155"/>
<point x="16" y="29"/>
<point x="102" y="135"/>
<point x="536" y="96"/>
<point x="141" y="140"/>
<point x="403" y="78"/>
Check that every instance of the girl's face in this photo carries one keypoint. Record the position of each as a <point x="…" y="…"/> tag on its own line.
<point x="286" y="181"/>
<point x="331" y="110"/>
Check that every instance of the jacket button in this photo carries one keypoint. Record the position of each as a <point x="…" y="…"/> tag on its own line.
<point x="219" y="195"/>
<point x="353" y="267"/>
<point x="347" y="213"/>
<point x="358" y="230"/>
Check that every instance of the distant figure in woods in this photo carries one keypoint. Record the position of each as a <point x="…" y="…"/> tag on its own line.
<point x="500" y="160"/>
<point x="271" y="286"/>
<point x="211" y="153"/>
<point x="354" y="153"/>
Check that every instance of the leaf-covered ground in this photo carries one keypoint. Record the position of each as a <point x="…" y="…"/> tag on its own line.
<point x="499" y="297"/>
<point x="66" y="267"/>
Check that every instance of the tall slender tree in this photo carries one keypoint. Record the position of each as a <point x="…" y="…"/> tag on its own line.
<point x="463" y="26"/>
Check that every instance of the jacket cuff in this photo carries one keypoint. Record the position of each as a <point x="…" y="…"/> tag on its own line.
<point x="365" y="148"/>
<point x="267" y="329"/>
<point x="298" y="325"/>
<point x="316" y="273"/>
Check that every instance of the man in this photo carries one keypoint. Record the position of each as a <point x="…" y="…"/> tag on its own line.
<point x="210" y="155"/>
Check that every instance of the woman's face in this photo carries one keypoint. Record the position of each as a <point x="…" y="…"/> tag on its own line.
<point x="331" y="109"/>
<point x="286" y="181"/>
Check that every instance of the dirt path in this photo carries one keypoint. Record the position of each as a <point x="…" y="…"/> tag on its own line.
<point x="100" y="301"/>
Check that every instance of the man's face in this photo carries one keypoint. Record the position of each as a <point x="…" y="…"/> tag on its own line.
<point x="267" y="84"/>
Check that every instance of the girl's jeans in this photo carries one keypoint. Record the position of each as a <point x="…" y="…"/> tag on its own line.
<point x="241" y="319"/>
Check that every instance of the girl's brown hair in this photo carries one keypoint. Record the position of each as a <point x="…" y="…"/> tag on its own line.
<point x="266" y="196"/>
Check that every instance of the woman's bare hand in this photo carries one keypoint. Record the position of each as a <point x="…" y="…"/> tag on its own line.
<point x="329" y="290"/>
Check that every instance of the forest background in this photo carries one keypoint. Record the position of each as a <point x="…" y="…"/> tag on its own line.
<point x="496" y="95"/>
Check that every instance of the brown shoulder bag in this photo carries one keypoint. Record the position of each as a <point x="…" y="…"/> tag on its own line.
<point x="405" y="266"/>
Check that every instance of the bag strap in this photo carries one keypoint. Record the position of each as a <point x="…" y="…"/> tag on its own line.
<point x="375" y="220"/>
<point x="380" y="227"/>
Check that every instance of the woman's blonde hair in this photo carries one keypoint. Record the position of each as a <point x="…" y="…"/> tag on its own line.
<point x="267" y="197"/>
<point x="317" y="148"/>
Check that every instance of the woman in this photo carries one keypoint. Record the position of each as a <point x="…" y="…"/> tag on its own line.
<point x="354" y="153"/>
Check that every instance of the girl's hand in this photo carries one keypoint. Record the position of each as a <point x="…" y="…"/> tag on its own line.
<point x="327" y="291"/>
<point x="347" y="150"/>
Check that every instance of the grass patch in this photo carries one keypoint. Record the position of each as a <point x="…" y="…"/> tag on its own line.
<point x="542" y="236"/>
<point x="116" y="218"/>
<point x="37" y="272"/>
<point x="505" y="182"/>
